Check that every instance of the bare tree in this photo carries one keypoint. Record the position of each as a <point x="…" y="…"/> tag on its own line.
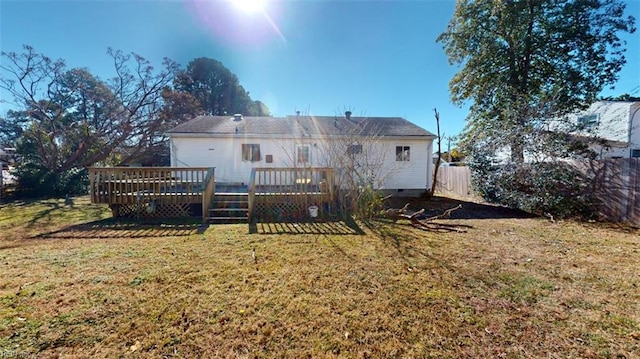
<point x="74" y="118"/>
<point x="357" y="150"/>
<point x="358" y="155"/>
<point x="437" y="164"/>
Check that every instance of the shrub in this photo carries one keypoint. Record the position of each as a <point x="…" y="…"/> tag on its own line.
<point x="36" y="181"/>
<point x="369" y="203"/>
<point x="557" y="188"/>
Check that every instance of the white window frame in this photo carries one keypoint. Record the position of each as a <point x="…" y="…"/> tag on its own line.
<point x="588" y="121"/>
<point x="355" y="149"/>
<point x="404" y="154"/>
<point x="252" y="151"/>
<point x="305" y="148"/>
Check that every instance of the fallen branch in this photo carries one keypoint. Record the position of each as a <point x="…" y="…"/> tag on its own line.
<point x="427" y="223"/>
<point x="433" y="226"/>
<point x="445" y="214"/>
<point x="395" y="213"/>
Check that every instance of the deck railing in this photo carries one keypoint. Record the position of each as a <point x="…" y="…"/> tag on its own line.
<point x="130" y="185"/>
<point x="272" y="187"/>
<point x="252" y="193"/>
<point x="207" y="194"/>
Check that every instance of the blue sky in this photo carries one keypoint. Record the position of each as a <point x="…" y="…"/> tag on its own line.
<point x="376" y="58"/>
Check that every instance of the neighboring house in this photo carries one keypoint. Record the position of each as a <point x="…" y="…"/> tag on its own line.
<point x="7" y="158"/>
<point x="443" y="162"/>
<point x="611" y="129"/>
<point x="234" y="145"/>
<point x="615" y="124"/>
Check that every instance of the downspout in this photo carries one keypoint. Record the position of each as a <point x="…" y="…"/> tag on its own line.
<point x="633" y="115"/>
<point x="430" y="169"/>
<point x="172" y="153"/>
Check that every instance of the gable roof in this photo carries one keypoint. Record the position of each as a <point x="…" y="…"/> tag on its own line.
<point x="615" y="120"/>
<point x="301" y="126"/>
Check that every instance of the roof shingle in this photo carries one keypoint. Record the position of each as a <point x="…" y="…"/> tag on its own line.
<point x="299" y="126"/>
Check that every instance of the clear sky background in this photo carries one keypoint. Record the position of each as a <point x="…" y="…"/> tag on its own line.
<point x="375" y="58"/>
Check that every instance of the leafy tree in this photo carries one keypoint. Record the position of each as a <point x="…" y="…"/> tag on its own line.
<point x="11" y="127"/>
<point x="525" y="65"/>
<point x="623" y="97"/>
<point x="527" y="60"/>
<point x="178" y="107"/>
<point x="70" y="119"/>
<point x="217" y="89"/>
<point x="455" y="155"/>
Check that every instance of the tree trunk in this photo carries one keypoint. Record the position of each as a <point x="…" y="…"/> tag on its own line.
<point x="437" y="164"/>
<point x="517" y="150"/>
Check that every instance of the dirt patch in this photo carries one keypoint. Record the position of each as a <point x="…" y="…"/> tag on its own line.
<point x="470" y="210"/>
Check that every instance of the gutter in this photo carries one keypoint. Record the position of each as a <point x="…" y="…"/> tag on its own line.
<point x="285" y="136"/>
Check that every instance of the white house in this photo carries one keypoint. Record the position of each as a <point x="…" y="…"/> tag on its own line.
<point x="617" y="123"/>
<point x="6" y="161"/>
<point x="610" y="128"/>
<point x="236" y="144"/>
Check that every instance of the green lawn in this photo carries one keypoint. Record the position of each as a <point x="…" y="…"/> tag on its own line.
<point x="75" y="283"/>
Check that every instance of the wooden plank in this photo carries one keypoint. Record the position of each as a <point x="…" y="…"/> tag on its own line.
<point x="129" y="185"/>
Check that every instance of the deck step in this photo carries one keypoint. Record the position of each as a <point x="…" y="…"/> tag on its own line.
<point x="230" y="204"/>
<point x="214" y="210"/>
<point x="234" y="195"/>
<point x="229" y="207"/>
<point x="228" y="219"/>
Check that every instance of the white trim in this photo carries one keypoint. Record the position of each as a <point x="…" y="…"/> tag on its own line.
<point x="282" y="136"/>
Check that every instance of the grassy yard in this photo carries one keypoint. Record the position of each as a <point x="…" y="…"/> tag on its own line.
<point x="75" y="283"/>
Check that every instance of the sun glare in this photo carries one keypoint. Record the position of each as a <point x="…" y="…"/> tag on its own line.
<point x="249" y="5"/>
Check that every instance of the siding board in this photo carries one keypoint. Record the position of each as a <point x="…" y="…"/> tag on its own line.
<point x="225" y="154"/>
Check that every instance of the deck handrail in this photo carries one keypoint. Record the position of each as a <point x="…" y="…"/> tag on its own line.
<point x="208" y="192"/>
<point x="131" y="185"/>
<point x="283" y="179"/>
<point x="252" y="192"/>
<point x="303" y="186"/>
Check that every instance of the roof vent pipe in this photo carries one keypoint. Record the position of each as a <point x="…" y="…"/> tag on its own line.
<point x="347" y="115"/>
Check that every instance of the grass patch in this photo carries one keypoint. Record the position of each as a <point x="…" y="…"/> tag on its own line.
<point x="78" y="284"/>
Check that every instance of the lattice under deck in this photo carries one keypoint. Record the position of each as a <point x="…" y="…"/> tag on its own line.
<point x="280" y="211"/>
<point x="144" y="210"/>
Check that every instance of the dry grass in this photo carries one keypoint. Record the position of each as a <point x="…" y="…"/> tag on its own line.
<point x="76" y="285"/>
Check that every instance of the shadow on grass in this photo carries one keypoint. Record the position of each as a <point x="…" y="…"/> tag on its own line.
<point x="470" y="210"/>
<point x="409" y="242"/>
<point x="118" y="228"/>
<point x="343" y="227"/>
<point x="391" y="233"/>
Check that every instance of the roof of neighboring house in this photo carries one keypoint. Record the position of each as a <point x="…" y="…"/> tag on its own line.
<point x="301" y="126"/>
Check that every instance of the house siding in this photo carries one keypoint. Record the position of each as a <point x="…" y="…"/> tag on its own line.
<point x="618" y="122"/>
<point x="225" y="154"/>
<point x="634" y="127"/>
<point x="412" y="174"/>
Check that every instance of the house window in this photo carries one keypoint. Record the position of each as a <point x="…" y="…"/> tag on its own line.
<point x="635" y="153"/>
<point x="250" y="152"/>
<point x="588" y="121"/>
<point x="403" y="153"/>
<point x="302" y="154"/>
<point x="354" y="149"/>
<point x="268" y="158"/>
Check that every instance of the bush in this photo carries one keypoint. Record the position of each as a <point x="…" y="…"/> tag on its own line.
<point x="369" y="203"/>
<point x="557" y="188"/>
<point x="36" y="181"/>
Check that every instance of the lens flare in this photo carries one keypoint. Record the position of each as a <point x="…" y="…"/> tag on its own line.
<point x="239" y="22"/>
<point x="249" y="6"/>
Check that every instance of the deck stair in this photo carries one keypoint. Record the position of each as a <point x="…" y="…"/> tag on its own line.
<point x="229" y="207"/>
